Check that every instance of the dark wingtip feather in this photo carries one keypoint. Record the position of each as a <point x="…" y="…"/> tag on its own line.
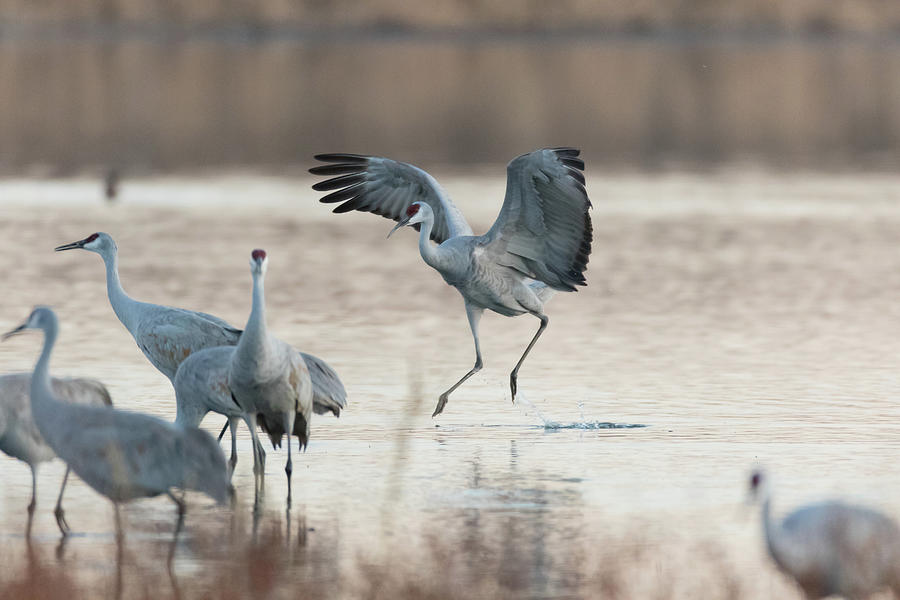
<point x="342" y="194"/>
<point x="576" y="175"/>
<point x="342" y="158"/>
<point x="339" y="182"/>
<point x="575" y="163"/>
<point x="566" y="151"/>
<point x="352" y="204"/>
<point x="337" y="169"/>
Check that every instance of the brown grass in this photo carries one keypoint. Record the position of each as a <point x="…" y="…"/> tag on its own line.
<point x="274" y="566"/>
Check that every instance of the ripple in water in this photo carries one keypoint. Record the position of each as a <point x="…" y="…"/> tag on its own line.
<point x="583" y="424"/>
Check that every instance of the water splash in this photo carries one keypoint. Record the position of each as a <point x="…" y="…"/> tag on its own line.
<point x="584" y="423"/>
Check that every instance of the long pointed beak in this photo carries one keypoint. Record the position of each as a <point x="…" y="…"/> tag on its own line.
<point x="13" y="332"/>
<point x="71" y="246"/>
<point x="402" y="222"/>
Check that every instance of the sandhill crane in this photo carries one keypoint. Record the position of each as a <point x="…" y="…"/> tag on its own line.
<point x="831" y="548"/>
<point x="122" y="455"/>
<point x="539" y="243"/>
<point x="19" y="436"/>
<point x="268" y="377"/>
<point x="201" y="386"/>
<point x="165" y="335"/>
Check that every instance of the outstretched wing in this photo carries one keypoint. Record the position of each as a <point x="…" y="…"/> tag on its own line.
<point x="544" y="229"/>
<point x="387" y="187"/>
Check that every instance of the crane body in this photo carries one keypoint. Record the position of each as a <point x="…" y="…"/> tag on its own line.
<point x="121" y="455"/>
<point x="539" y="243"/>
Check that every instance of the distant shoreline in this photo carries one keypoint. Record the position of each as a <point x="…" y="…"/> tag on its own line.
<point x="252" y="33"/>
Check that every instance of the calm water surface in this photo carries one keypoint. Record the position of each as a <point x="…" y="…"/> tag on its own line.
<point x="743" y="318"/>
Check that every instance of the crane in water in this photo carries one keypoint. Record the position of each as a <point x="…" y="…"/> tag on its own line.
<point x="20" y="438"/>
<point x="201" y="386"/>
<point x="269" y="378"/>
<point x="167" y="336"/>
<point x="832" y="548"/>
<point x="539" y="243"/>
<point x="121" y="455"/>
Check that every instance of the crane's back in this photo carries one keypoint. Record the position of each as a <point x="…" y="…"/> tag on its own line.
<point x="850" y="550"/>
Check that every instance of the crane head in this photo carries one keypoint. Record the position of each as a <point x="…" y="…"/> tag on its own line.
<point x="258" y="262"/>
<point x="414" y="214"/>
<point x="756" y="484"/>
<point x="42" y="317"/>
<point x="96" y="242"/>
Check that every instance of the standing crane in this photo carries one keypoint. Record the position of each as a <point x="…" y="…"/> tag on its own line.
<point x="20" y="438"/>
<point x="539" y="243"/>
<point x="167" y="336"/>
<point x="832" y="548"/>
<point x="269" y="378"/>
<point x="201" y="386"/>
<point x="121" y="455"/>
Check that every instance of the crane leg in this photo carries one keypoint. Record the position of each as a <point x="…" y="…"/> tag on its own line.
<point x="181" y="508"/>
<point x="224" y="429"/>
<point x="515" y="372"/>
<point x="33" y="504"/>
<point x="232" y="462"/>
<point x="120" y="533"/>
<point x="58" y="512"/>
<point x="289" y="467"/>
<point x="258" y="473"/>
<point x="262" y="455"/>
<point x="474" y="315"/>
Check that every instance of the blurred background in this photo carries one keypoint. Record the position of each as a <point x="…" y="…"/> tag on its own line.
<point x="150" y="87"/>
<point x="742" y="302"/>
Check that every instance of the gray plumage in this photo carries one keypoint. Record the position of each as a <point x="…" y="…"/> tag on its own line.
<point x="832" y="548"/>
<point x="166" y="335"/>
<point x="19" y="436"/>
<point x="268" y="377"/>
<point x="121" y="455"/>
<point x="201" y="386"/>
<point x="329" y="394"/>
<point x="539" y="243"/>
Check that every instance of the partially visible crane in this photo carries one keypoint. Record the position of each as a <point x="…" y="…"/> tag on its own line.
<point x="832" y="548"/>
<point x="20" y="438"/>
<point x="121" y="455"/>
<point x="539" y="243"/>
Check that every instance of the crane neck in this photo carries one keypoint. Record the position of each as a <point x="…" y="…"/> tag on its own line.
<point x="430" y="253"/>
<point x="122" y="304"/>
<point x="41" y="391"/>
<point x="254" y="340"/>
<point x="774" y="536"/>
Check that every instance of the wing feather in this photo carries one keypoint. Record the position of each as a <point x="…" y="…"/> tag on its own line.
<point x="387" y="187"/>
<point x="544" y="229"/>
<point x="329" y="394"/>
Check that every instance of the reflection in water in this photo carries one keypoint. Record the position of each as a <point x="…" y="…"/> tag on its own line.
<point x="746" y="318"/>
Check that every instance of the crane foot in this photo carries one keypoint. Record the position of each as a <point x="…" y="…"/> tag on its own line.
<point x="442" y="402"/>
<point x="61" y="522"/>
